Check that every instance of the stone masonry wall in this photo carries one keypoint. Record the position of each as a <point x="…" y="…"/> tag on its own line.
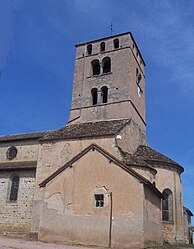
<point x="26" y="151"/>
<point x="168" y="232"/>
<point x="15" y="216"/>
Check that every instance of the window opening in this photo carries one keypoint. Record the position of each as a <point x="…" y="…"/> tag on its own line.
<point x="138" y="76"/>
<point x="14" y="188"/>
<point x="96" y="67"/>
<point x="99" y="200"/>
<point x="139" y="91"/>
<point x="106" y="65"/>
<point x="104" y="91"/>
<point x="94" y="96"/>
<point x="138" y="81"/>
<point x="167" y="205"/>
<point x="89" y="49"/>
<point x="11" y="152"/>
<point x="102" y="46"/>
<point x="116" y="43"/>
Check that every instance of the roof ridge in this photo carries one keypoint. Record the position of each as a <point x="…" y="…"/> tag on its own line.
<point x="26" y="133"/>
<point x="98" y="121"/>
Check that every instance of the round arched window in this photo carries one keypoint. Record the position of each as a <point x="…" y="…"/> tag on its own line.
<point x="12" y="152"/>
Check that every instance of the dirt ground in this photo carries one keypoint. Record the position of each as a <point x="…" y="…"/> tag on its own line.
<point x="22" y="243"/>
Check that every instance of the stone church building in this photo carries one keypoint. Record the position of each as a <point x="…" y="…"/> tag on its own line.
<point x="95" y="181"/>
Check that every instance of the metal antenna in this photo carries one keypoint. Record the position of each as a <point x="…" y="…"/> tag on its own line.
<point x="111" y="29"/>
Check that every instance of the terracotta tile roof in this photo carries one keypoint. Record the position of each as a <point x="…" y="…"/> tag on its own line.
<point x="111" y="158"/>
<point x="24" y="136"/>
<point x="150" y="155"/>
<point x="90" y="129"/>
<point x="188" y="211"/>
<point x="135" y="160"/>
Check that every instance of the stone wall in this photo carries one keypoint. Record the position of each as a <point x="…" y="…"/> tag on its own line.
<point x="121" y="82"/>
<point x="168" y="232"/>
<point x="15" y="216"/>
<point x="26" y="151"/>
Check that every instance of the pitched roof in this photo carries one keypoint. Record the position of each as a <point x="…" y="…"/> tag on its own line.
<point x="18" y="165"/>
<point x="24" y="136"/>
<point x="150" y="155"/>
<point x="110" y="157"/>
<point x="188" y="211"/>
<point x="135" y="161"/>
<point x="90" y="129"/>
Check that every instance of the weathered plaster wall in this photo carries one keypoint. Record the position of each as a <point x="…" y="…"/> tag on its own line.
<point x="54" y="155"/>
<point x="131" y="136"/>
<point x="152" y="218"/>
<point x="72" y="193"/>
<point x="15" y="217"/>
<point x="149" y="174"/>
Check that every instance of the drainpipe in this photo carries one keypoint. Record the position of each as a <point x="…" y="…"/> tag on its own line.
<point x="110" y="225"/>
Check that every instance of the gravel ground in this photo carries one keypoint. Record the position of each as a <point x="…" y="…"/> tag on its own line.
<point x="22" y="243"/>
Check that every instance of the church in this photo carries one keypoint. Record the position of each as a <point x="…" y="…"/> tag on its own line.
<point x="95" y="181"/>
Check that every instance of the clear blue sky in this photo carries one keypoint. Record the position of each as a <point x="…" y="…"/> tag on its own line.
<point x="37" y="52"/>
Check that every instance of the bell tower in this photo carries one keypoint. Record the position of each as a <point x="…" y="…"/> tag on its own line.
<point x="109" y="81"/>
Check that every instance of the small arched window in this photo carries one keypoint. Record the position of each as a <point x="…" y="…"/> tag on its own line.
<point x="102" y="46"/>
<point x="94" y="93"/>
<point x="167" y="205"/>
<point x="106" y="65"/>
<point x="104" y="91"/>
<point x="137" y="74"/>
<point x="14" y="188"/>
<point x="89" y="49"/>
<point x="96" y="67"/>
<point x="116" y="43"/>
